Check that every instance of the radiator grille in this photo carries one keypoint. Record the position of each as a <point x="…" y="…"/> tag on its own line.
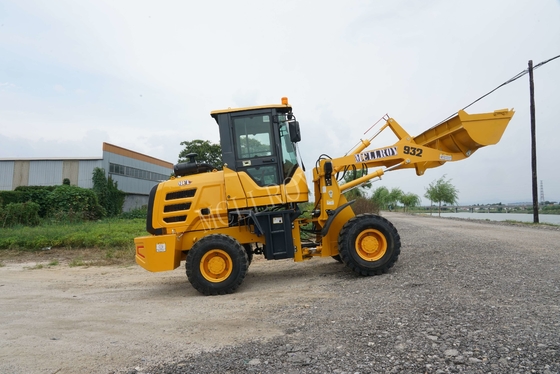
<point x="175" y="219"/>
<point x="181" y="194"/>
<point x="176" y="207"/>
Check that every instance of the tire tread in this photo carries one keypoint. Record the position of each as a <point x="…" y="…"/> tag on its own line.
<point x="220" y="241"/>
<point x="346" y="255"/>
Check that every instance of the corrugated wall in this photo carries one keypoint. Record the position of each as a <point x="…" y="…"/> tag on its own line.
<point x="6" y="175"/>
<point x="85" y="172"/>
<point x="45" y="173"/>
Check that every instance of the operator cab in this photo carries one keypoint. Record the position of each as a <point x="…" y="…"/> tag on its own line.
<point x="260" y="141"/>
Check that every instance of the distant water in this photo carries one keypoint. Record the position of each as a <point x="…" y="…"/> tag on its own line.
<point x="543" y="218"/>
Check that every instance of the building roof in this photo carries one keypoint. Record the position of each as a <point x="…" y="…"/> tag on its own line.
<point x="135" y="155"/>
<point x="107" y="147"/>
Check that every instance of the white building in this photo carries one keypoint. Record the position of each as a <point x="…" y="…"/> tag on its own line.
<point x="134" y="172"/>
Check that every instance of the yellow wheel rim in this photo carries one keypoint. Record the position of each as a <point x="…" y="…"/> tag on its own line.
<point x="371" y="245"/>
<point x="216" y="265"/>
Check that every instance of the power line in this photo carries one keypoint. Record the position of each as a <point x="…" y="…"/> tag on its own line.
<point x="512" y="79"/>
<point x="544" y="62"/>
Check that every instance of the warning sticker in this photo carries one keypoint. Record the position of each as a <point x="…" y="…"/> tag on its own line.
<point x="160" y="247"/>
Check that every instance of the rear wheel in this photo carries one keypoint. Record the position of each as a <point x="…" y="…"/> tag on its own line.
<point x="216" y="265"/>
<point x="369" y="244"/>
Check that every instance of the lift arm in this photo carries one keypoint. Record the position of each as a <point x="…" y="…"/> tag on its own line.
<point x="452" y="140"/>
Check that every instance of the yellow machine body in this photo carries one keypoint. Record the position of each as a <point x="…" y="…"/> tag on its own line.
<point x="253" y="201"/>
<point x="190" y="207"/>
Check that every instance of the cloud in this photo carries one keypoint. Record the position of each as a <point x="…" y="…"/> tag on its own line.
<point x="6" y="85"/>
<point x="342" y="65"/>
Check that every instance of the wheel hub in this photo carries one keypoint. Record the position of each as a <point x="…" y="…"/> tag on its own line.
<point x="216" y="265"/>
<point x="371" y="245"/>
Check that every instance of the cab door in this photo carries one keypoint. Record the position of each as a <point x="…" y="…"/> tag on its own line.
<point x="257" y="155"/>
<point x="256" y="152"/>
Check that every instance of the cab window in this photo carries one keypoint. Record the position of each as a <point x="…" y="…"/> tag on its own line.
<point x="253" y="136"/>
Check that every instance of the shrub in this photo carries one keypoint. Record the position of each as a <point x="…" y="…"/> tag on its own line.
<point x="14" y="214"/>
<point x="74" y="201"/>
<point x="10" y="197"/>
<point x="135" y="213"/>
<point x="363" y="205"/>
<point x="37" y="194"/>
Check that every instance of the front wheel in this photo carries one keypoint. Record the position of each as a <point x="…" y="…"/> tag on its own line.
<point x="369" y="244"/>
<point x="337" y="258"/>
<point x="216" y="265"/>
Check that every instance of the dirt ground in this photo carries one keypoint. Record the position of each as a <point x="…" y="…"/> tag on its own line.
<point x="61" y="319"/>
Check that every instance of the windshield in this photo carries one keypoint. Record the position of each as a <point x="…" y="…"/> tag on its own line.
<point x="253" y="136"/>
<point x="289" y="159"/>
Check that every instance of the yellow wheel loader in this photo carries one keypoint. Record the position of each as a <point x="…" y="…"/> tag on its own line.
<point x="216" y="220"/>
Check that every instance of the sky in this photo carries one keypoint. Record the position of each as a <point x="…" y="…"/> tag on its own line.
<point x="144" y="75"/>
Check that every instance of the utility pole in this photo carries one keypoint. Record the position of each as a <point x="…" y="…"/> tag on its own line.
<point x="533" y="146"/>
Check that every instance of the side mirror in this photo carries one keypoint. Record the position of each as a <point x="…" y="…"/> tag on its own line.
<point x="295" y="134"/>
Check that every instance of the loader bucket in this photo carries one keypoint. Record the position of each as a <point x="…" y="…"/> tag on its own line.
<point x="465" y="133"/>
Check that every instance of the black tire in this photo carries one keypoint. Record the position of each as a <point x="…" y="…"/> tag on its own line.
<point x="337" y="258"/>
<point x="216" y="265"/>
<point x="250" y="252"/>
<point x="369" y="244"/>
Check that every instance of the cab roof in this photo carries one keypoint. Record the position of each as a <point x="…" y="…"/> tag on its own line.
<point x="283" y="108"/>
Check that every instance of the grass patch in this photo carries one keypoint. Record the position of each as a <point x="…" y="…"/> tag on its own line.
<point x="532" y="223"/>
<point x="77" y="262"/>
<point x="98" y="243"/>
<point x="2" y="264"/>
<point x="115" y="233"/>
<point x="36" y="267"/>
<point x="42" y="266"/>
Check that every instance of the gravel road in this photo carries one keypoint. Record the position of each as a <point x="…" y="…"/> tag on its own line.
<point x="465" y="296"/>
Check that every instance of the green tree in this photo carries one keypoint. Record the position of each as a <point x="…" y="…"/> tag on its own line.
<point x="442" y="191"/>
<point x="207" y="152"/>
<point x="409" y="200"/>
<point x="380" y="197"/>
<point x="394" y="197"/>
<point x="108" y="194"/>
<point x="100" y="186"/>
